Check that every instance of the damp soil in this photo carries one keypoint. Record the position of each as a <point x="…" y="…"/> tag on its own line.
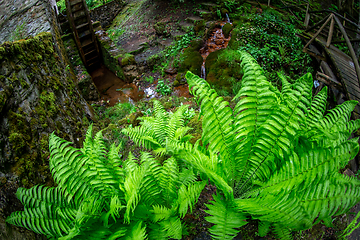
<point x="112" y="89"/>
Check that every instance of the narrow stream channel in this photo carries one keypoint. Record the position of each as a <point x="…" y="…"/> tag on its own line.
<point x="216" y="42"/>
<point x="114" y="90"/>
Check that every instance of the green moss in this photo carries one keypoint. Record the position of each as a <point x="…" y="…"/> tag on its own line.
<point x="223" y="70"/>
<point x="227" y="29"/>
<point x="127" y="59"/>
<point x="190" y="60"/>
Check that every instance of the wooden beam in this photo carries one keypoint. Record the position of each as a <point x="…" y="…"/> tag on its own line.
<point x="322" y="58"/>
<point x="317" y="33"/>
<point x="331" y="31"/>
<point x="307" y="16"/>
<point x="351" y="49"/>
<point x="327" y="79"/>
<point x="343" y="41"/>
<point x="317" y="24"/>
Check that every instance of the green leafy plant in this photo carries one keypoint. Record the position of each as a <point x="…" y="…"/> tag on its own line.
<point x="275" y="157"/>
<point x="155" y="131"/>
<point x="163" y="88"/>
<point x="149" y="79"/>
<point x="99" y="196"/>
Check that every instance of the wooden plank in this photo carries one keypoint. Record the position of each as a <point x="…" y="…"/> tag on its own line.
<point x="354" y="93"/>
<point x="348" y="75"/>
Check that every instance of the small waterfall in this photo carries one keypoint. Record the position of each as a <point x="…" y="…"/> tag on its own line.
<point x="216" y="42"/>
<point x="227" y="18"/>
<point x="203" y="74"/>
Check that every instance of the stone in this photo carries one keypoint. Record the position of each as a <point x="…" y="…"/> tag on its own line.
<point x="161" y="29"/>
<point x="227" y="28"/>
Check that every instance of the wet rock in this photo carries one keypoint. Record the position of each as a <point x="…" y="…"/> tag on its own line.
<point x="227" y="29"/>
<point x="210" y="6"/>
<point x="170" y="70"/>
<point x="206" y="15"/>
<point x="130" y="72"/>
<point x="106" y="13"/>
<point x="161" y="29"/>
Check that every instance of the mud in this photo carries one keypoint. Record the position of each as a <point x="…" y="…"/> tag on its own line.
<point x="112" y="89"/>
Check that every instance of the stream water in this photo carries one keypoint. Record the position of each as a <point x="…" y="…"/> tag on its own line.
<point x="112" y="89"/>
<point x="216" y="42"/>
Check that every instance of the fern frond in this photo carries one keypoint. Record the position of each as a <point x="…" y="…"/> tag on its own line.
<point x="115" y="163"/>
<point x="217" y="121"/>
<point x="325" y="199"/>
<point x="157" y="232"/>
<point x="282" y="209"/>
<point x="142" y="136"/>
<point x="278" y="133"/>
<point x="317" y="109"/>
<point x="66" y="167"/>
<point x="188" y="196"/>
<point x="172" y="227"/>
<point x="338" y="115"/>
<point x="160" y="213"/>
<point x="282" y="232"/>
<point x="264" y="228"/>
<point x="168" y="180"/>
<point x="313" y="166"/>
<point x="42" y="220"/>
<point x="225" y="218"/>
<point x="206" y="164"/>
<point x="137" y="232"/>
<point x="160" y="122"/>
<point x="176" y="121"/>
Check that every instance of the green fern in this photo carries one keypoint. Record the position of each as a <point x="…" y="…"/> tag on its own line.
<point x="275" y="157"/>
<point x="99" y="196"/>
<point x="154" y="131"/>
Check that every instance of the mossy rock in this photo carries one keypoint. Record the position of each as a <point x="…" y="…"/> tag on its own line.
<point x="160" y="29"/>
<point x="127" y="59"/>
<point x="235" y="38"/>
<point x="190" y="60"/>
<point x="227" y="29"/>
<point x="223" y="69"/>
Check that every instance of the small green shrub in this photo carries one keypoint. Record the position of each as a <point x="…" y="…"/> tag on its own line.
<point x="149" y="79"/>
<point x="163" y="88"/>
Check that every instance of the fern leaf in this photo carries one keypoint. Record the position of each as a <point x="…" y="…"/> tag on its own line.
<point x="65" y="164"/>
<point x="176" y="121"/>
<point x="217" y="121"/>
<point x="264" y="228"/>
<point x="95" y="154"/>
<point x="338" y="115"/>
<point x="168" y="180"/>
<point x="325" y="199"/>
<point x="157" y="232"/>
<point x="137" y="232"/>
<point x="172" y="227"/>
<point x="313" y="166"/>
<point x="278" y="133"/>
<point x="41" y="220"/>
<point x="282" y="232"/>
<point x="318" y="107"/>
<point x="188" y="196"/>
<point x="225" y="218"/>
<point x="160" y="122"/>
<point x="160" y="213"/>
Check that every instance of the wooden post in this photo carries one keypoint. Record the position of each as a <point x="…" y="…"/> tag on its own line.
<point x="268" y="2"/>
<point x="331" y="31"/>
<point x="317" y="33"/>
<point x="307" y="16"/>
<point x="351" y="49"/>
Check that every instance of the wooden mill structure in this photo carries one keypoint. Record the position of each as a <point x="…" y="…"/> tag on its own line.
<point x="81" y="25"/>
<point x="338" y="69"/>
